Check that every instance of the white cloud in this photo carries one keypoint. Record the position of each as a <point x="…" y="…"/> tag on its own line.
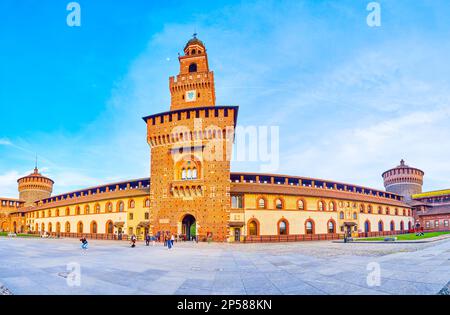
<point x="346" y="117"/>
<point x="4" y="141"/>
<point x="8" y="184"/>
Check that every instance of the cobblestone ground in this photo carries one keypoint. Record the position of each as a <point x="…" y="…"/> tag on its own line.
<point x="37" y="266"/>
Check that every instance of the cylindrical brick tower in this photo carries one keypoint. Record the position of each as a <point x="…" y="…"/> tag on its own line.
<point x="34" y="187"/>
<point x="404" y="180"/>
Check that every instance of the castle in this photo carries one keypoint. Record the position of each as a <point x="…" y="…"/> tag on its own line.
<point x="192" y="192"/>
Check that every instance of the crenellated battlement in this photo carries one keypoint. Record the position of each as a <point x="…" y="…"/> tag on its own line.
<point x="193" y="124"/>
<point x="34" y="187"/>
<point x="404" y="180"/>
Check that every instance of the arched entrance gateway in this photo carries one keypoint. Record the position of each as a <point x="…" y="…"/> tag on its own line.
<point x="189" y="227"/>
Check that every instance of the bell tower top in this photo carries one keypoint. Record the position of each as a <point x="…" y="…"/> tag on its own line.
<point x="194" y="85"/>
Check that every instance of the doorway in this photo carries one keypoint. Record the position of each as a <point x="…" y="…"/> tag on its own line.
<point x="237" y="235"/>
<point x="189" y="227"/>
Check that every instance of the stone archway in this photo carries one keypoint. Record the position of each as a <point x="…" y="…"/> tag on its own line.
<point x="189" y="227"/>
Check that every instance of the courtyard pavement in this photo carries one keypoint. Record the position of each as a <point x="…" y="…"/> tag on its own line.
<point x="39" y="266"/>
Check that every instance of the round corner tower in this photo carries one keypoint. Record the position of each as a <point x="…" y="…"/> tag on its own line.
<point x="404" y="180"/>
<point x="34" y="187"/>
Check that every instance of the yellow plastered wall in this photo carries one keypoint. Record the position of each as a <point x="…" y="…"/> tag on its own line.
<point x="386" y="219"/>
<point x="48" y="215"/>
<point x="351" y="211"/>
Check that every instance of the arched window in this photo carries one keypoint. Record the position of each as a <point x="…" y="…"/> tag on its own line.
<point x="147" y="203"/>
<point x="361" y="208"/>
<point x="380" y="226"/>
<point x="87" y="210"/>
<point x="189" y="174"/>
<point x="396" y="211"/>
<point x="355" y="216"/>
<point x="109" y="207"/>
<point x="77" y="210"/>
<point x="131" y="204"/>
<point x="388" y="211"/>
<point x="404" y="212"/>
<point x="109" y="227"/>
<point x="331" y="227"/>
<point x="282" y="227"/>
<point x="392" y="226"/>
<point x="261" y="203"/>
<point x="402" y="226"/>
<point x="309" y="226"/>
<point x="57" y="212"/>
<point x="369" y="209"/>
<point x="49" y="213"/>
<point x="194" y="173"/>
<point x="43" y="227"/>
<point x="279" y="204"/>
<point x="97" y="208"/>
<point x="409" y="225"/>
<point x="301" y="205"/>
<point x="253" y="228"/>
<point x="80" y="227"/>
<point x="50" y="227"/>
<point x="183" y="174"/>
<point x="332" y="207"/>
<point x="67" y="227"/>
<point x="341" y="215"/>
<point x="193" y="67"/>
<point x="367" y="226"/>
<point x="58" y="227"/>
<point x="120" y="206"/>
<point x="321" y="206"/>
<point x="94" y="227"/>
<point x="67" y="211"/>
<point x="380" y="210"/>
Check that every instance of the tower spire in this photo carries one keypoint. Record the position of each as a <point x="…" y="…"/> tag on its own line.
<point x="36" y="165"/>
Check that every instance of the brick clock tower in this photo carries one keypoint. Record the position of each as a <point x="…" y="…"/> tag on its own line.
<point x="190" y="154"/>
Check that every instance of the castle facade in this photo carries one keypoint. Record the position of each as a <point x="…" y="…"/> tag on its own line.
<point x="192" y="192"/>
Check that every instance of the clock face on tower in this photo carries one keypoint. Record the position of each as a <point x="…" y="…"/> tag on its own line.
<point x="191" y="96"/>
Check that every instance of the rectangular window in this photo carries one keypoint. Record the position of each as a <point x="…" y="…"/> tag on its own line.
<point x="436" y="223"/>
<point x="446" y="223"/>
<point x="147" y="216"/>
<point x="427" y="224"/>
<point x="130" y="215"/>
<point x="237" y="202"/>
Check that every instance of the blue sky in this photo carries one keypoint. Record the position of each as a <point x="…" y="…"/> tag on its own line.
<point x="350" y="100"/>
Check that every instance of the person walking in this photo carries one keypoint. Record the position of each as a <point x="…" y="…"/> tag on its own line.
<point x="172" y="239"/>
<point x="133" y="240"/>
<point x="84" y="243"/>
<point x="169" y="242"/>
<point x="147" y="239"/>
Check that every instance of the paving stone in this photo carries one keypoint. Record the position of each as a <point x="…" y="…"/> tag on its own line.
<point x="108" y="267"/>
